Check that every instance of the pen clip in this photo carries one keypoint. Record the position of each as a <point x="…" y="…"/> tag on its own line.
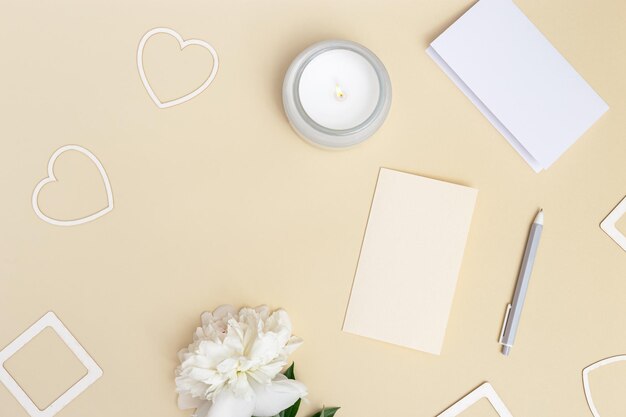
<point x="506" y="320"/>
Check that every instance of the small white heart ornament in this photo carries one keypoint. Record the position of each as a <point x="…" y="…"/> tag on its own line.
<point x="587" y="370"/>
<point x="51" y="178"/>
<point x="183" y="44"/>
<point x="609" y="224"/>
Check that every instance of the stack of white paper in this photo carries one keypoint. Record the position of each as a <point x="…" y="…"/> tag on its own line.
<point x="518" y="80"/>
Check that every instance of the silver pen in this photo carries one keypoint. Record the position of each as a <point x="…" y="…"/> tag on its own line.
<point x="514" y="310"/>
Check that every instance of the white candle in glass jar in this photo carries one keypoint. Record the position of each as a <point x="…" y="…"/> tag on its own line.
<point x="336" y="94"/>
<point x="339" y="89"/>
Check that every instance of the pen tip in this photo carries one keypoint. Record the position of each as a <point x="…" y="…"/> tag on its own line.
<point x="539" y="217"/>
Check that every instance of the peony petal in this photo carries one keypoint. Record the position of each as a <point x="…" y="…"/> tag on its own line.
<point x="225" y="310"/>
<point x="213" y="353"/>
<point x="182" y="354"/>
<point x="266" y="373"/>
<point x="273" y="398"/>
<point x="265" y="347"/>
<point x="293" y="344"/>
<point x="227" y="405"/>
<point x="203" y="410"/>
<point x="263" y="311"/>
<point x="186" y="401"/>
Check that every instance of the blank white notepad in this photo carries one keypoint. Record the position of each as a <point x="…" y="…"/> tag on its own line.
<point x="518" y="80"/>
<point x="410" y="260"/>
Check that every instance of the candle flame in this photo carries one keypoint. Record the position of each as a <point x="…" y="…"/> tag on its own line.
<point x="339" y="93"/>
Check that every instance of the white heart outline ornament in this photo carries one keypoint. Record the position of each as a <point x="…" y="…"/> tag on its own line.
<point x="51" y="178"/>
<point x="587" y="371"/>
<point x="183" y="44"/>
<point x="608" y="224"/>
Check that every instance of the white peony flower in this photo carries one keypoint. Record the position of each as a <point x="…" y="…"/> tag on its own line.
<point x="232" y="368"/>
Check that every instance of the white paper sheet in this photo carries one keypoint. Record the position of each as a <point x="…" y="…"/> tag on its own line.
<point x="410" y="260"/>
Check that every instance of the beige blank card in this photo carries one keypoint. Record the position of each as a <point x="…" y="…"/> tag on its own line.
<point x="410" y="260"/>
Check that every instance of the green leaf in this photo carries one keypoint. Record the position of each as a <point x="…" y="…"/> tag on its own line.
<point x="291" y="411"/>
<point x="290" y="372"/>
<point x="326" y="412"/>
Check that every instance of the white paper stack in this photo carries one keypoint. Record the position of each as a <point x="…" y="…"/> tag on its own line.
<point x="518" y="80"/>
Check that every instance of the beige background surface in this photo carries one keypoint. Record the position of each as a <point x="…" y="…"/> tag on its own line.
<point x="217" y="200"/>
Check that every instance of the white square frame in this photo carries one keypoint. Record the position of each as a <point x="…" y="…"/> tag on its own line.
<point x="483" y="391"/>
<point x="608" y="224"/>
<point x="93" y="370"/>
